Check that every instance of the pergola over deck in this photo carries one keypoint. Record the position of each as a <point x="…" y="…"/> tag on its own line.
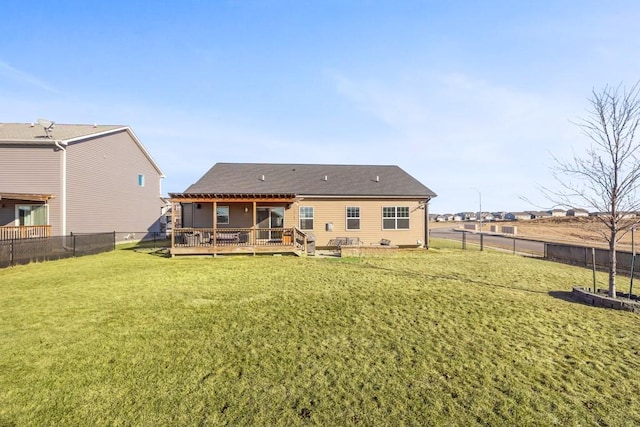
<point x="8" y="232"/>
<point x="239" y="240"/>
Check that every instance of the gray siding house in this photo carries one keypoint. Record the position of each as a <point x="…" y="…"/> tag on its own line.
<point x="76" y="179"/>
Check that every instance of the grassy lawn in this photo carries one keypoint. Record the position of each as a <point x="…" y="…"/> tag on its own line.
<point x="440" y="338"/>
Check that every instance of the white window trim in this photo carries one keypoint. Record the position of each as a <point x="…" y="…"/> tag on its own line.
<point x="141" y="180"/>
<point x="395" y="218"/>
<point x="347" y="218"/>
<point x="312" y="218"/>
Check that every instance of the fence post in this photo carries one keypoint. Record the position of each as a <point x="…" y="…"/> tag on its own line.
<point x="73" y="244"/>
<point x="11" y="253"/>
<point x="464" y="240"/>
<point x="114" y="240"/>
<point x="481" y="241"/>
<point x="514" y="246"/>
<point x="593" y="260"/>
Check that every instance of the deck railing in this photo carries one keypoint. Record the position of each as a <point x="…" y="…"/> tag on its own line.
<point x="24" y="232"/>
<point x="239" y="237"/>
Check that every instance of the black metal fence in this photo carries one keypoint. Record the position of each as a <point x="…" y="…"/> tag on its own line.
<point x="24" y="251"/>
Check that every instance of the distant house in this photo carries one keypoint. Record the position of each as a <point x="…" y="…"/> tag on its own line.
<point x="76" y="178"/>
<point x="577" y="212"/>
<point x="485" y="216"/>
<point x="467" y="216"/>
<point x="517" y="216"/>
<point x="557" y="212"/>
<point x="249" y="207"/>
<point x="539" y="214"/>
<point x="623" y="215"/>
<point x="499" y="216"/>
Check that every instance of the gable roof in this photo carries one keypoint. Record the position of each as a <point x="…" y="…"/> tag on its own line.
<point x="34" y="134"/>
<point x="309" y="180"/>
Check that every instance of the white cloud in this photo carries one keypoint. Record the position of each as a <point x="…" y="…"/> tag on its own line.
<point x="18" y="76"/>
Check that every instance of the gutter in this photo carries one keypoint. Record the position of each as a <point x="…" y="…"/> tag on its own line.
<point x="63" y="186"/>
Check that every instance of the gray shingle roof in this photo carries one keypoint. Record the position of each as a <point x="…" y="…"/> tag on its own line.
<point x="63" y="132"/>
<point x="309" y="180"/>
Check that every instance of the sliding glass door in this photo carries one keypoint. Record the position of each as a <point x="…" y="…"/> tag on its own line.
<point x="270" y="222"/>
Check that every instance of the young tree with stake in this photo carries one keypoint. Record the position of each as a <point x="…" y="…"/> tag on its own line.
<point x="606" y="176"/>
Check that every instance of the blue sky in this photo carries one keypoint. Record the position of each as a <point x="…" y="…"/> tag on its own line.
<point x="470" y="97"/>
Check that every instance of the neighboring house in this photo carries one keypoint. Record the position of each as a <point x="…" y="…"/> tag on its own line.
<point x="499" y="216"/>
<point x="485" y="216"/>
<point x="539" y="214"/>
<point x="622" y="215"/>
<point x="517" y="216"/>
<point x="63" y="179"/>
<point x="467" y="216"/>
<point x="248" y="207"/>
<point x="557" y="212"/>
<point x="577" y="212"/>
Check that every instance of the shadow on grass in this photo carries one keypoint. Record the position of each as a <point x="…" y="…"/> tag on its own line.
<point x="151" y="247"/>
<point x="563" y="295"/>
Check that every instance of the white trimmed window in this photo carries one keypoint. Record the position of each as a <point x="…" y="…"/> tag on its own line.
<point x="306" y="217"/>
<point x="395" y="218"/>
<point x="353" y="218"/>
<point x="140" y="180"/>
<point x="222" y="214"/>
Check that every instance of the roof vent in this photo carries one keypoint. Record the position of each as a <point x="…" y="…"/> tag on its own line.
<point x="262" y="178"/>
<point x="377" y="178"/>
<point x="326" y="178"/>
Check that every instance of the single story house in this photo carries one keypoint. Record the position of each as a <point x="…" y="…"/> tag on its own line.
<point x="57" y="179"/>
<point x="539" y="214"/>
<point x="517" y="216"/>
<point x="577" y="212"/>
<point x="557" y="212"/>
<point x="261" y="207"/>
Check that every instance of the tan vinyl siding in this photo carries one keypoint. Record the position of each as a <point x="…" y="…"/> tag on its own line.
<point x="335" y="211"/>
<point x="102" y="186"/>
<point x="203" y="217"/>
<point x="32" y="169"/>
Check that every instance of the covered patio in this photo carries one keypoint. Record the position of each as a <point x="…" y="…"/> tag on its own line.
<point x="234" y="223"/>
<point x="24" y="216"/>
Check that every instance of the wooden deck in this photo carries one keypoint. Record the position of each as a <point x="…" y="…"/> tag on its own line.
<point x="209" y="241"/>
<point x="24" y="232"/>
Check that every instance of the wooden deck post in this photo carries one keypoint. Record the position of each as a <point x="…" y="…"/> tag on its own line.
<point x="215" y="224"/>
<point x="254" y="238"/>
<point x="173" y="226"/>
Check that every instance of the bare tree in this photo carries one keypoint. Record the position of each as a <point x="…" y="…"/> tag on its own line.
<point x="606" y="176"/>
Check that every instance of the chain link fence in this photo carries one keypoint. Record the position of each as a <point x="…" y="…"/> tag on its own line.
<point x="24" y="251"/>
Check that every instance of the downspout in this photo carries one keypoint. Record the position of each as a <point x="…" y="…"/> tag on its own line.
<point x="426" y="223"/>
<point x="63" y="192"/>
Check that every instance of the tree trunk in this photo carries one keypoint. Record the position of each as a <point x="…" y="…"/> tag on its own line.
<point x="613" y="261"/>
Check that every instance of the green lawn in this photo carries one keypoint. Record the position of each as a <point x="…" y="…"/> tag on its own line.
<point x="447" y="337"/>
